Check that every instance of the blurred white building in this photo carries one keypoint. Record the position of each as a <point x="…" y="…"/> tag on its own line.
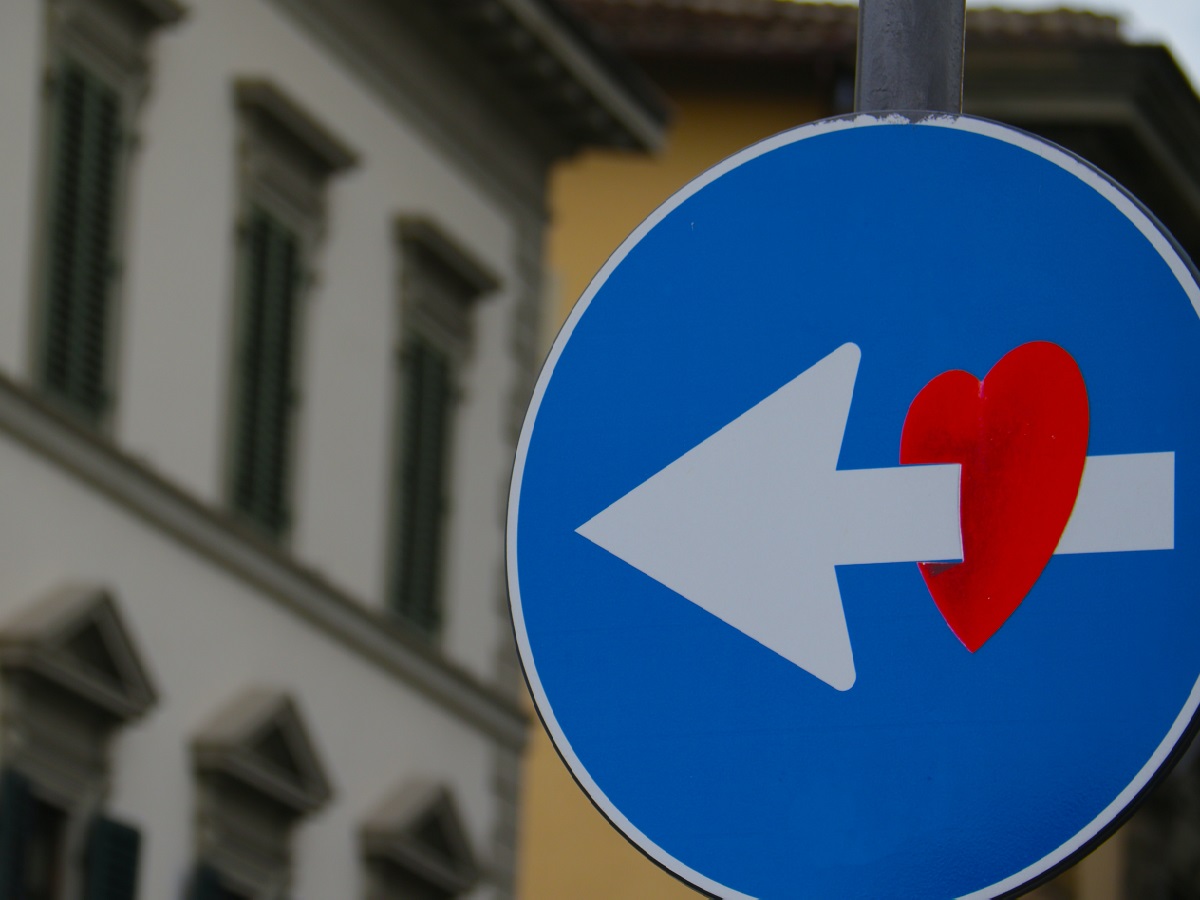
<point x="269" y="317"/>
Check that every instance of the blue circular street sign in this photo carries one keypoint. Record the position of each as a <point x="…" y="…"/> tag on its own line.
<point x="845" y="543"/>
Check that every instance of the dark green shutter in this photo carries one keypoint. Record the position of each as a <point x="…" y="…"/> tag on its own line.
<point x="111" y="861"/>
<point x="266" y="392"/>
<point x="205" y="884"/>
<point x="79" y="258"/>
<point x="421" y="482"/>
<point x="16" y="813"/>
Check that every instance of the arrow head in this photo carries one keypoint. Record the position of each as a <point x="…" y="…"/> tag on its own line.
<point x="738" y="525"/>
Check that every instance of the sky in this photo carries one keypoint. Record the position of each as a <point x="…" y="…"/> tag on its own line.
<point x="1175" y="23"/>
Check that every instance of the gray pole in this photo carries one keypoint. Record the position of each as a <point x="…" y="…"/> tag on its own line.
<point x="910" y="55"/>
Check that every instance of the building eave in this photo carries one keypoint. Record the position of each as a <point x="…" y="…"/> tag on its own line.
<point x="590" y="94"/>
<point x="1127" y="108"/>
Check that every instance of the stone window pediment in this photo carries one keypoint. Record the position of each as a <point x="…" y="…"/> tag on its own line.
<point x="74" y="638"/>
<point x="260" y="741"/>
<point x="418" y="833"/>
<point x="281" y="121"/>
<point x="118" y="28"/>
<point x="440" y="283"/>
<point x="258" y="773"/>
<point x="287" y="154"/>
<point x="73" y="675"/>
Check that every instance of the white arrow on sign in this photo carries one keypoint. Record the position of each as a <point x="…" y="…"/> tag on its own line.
<point x="749" y="524"/>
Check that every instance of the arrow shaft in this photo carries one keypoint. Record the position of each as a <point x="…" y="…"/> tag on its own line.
<point x="901" y="514"/>
<point x="1125" y="502"/>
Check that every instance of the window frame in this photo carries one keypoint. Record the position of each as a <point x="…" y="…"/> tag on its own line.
<point x="446" y="324"/>
<point x="66" y="397"/>
<point x="242" y="790"/>
<point x="73" y="678"/>
<point x="302" y="279"/>
<point x="109" y="42"/>
<point x="285" y="158"/>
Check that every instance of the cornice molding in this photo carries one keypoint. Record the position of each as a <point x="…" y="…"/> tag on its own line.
<point x="437" y="240"/>
<point x="593" y="95"/>
<point x="399" y="68"/>
<point x="408" y="658"/>
<point x="495" y="85"/>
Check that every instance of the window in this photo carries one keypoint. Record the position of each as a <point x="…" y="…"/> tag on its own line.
<point x="44" y="831"/>
<point x="271" y="275"/>
<point x="285" y="159"/>
<point x="98" y="75"/>
<point x="80" y="262"/>
<point x="72" y="679"/>
<point x="33" y="849"/>
<point x="416" y="847"/>
<point x="258" y="774"/>
<point x="424" y="416"/>
<point x="439" y="287"/>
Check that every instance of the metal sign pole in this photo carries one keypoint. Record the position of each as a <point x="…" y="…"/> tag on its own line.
<point x="910" y="55"/>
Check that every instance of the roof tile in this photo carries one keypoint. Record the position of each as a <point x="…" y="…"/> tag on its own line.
<point x="780" y="30"/>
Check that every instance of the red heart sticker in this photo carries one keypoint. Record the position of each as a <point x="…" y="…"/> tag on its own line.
<point x="1021" y="437"/>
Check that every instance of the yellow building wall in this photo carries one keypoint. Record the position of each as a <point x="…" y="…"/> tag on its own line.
<point x="598" y="198"/>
